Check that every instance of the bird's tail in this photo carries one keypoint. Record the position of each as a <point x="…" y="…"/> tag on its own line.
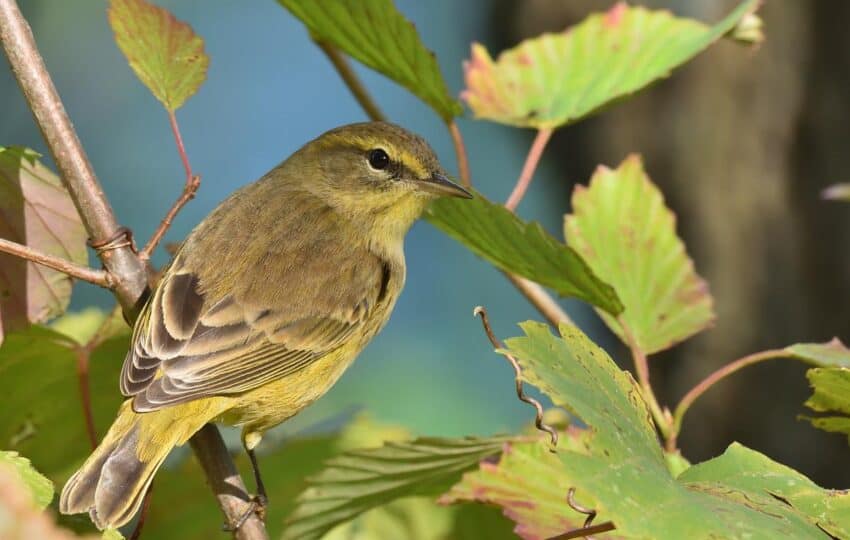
<point x="112" y="483"/>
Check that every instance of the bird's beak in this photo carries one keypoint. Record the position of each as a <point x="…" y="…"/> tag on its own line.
<point x="439" y="184"/>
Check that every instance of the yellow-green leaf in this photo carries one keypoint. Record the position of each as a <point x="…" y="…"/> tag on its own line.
<point x="556" y="79"/>
<point x="40" y="488"/>
<point x="627" y="235"/>
<point x="378" y="35"/>
<point x="165" y="53"/>
<point x="495" y="233"/>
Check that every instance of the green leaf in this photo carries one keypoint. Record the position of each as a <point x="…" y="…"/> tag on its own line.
<point x="166" y="54"/>
<point x="831" y="395"/>
<point x="529" y="484"/>
<point x="753" y="473"/>
<point x="376" y="34"/>
<point x="41" y="489"/>
<point x="42" y="409"/>
<point x="830" y="354"/>
<point x="360" y="480"/>
<point x="494" y="233"/>
<point x="621" y="471"/>
<point x="556" y="79"/>
<point x="35" y="210"/>
<point x="111" y="534"/>
<point x="627" y="235"/>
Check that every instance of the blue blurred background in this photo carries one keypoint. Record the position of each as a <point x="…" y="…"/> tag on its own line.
<point x="268" y="91"/>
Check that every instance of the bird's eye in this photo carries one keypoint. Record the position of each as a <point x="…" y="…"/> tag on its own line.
<point x="378" y="159"/>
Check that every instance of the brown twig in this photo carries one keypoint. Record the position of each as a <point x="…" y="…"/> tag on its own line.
<point x="190" y="188"/>
<point x="584" y="532"/>
<point x="226" y="483"/>
<point x="340" y="63"/>
<point x="460" y="151"/>
<point x="528" y="168"/>
<point x="84" y="273"/>
<point x="127" y="269"/>
<point x="698" y="390"/>
<point x="538" y="418"/>
<point x="73" y="164"/>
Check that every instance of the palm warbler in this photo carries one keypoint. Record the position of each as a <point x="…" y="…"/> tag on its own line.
<point x="264" y="306"/>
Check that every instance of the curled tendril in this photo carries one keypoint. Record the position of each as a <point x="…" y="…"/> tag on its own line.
<point x="538" y="419"/>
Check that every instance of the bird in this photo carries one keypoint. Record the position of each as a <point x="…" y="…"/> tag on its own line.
<point x="264" y="306"/>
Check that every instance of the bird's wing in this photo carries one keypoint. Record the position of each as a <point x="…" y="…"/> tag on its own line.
<point x="185" y="346"/>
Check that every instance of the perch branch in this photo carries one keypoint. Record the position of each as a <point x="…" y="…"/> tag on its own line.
<point x="84" y="273"/>
<point x="528" y="168"/>
<point x="540" y="299"/>
<point x="226" y="483"/>
<point x="538" y="418"/>
<point x="126" y="267"/>
<point x="340" y="63"/>
<point x="711" y="380"/>
<point x="193" y="182"/>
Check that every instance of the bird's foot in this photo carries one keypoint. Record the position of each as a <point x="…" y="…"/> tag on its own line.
<point x="257" y="506"/>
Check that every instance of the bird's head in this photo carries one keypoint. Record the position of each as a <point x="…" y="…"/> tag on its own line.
<point x="375" y="171"/>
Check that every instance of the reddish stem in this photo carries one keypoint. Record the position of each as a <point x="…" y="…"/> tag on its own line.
<point x="460" y="150"/>
<point x="190" y="188"/>
<point x="528" y="168"/>
<point x="85" y="394"/>
<point x="710" y="381"/>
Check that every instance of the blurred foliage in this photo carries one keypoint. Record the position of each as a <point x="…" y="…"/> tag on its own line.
<point x="35" y="210"/>
<point x="373" y="481"/>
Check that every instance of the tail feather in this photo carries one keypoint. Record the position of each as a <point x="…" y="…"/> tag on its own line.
<point x="112" y="483"/>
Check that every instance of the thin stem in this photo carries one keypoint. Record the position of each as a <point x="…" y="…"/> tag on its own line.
<point x="460" y="151"/>
<point x="720" y="374"/>
<point x="540" y="299"/>
<point x="340" y="63"/>
<point x="190" y="188"/>
<point x="143" y="514"/>
<point x="75" y="169"/>
<point x="662" y="417"/>
<point x="83" y="355"/>
<point x="226" y="483"/>
<point x="584" y="532"/>
<point x="84" y="273"/>
<point x="528" y="168"/>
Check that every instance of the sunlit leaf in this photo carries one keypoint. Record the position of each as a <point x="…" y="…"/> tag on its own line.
<point x="35" y="210"/>
<point x="622" y="472"/>
<point x="493" y="232"/>
<point x="530" y="484"/>
<point x="377" y="34"/>
<point x="555" y="79"/>
<point x="750" y="472"/>
<point x="40" y="488"/>
<point x="832" y="396"/>
<point x="42" y="407"/>
<point x="166" y="54"/>
<point x="837" y="192"/>
<point x="360" y="480"/>
<point x="627" y="235"/>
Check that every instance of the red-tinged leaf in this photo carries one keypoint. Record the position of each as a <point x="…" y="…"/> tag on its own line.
<point x="166" y="54"/>
<point x="556" y="79"/>
<point x="35" y="210"/>
<point x="622" y="228"/>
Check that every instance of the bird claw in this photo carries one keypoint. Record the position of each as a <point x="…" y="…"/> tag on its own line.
<point x="257" y="506"/>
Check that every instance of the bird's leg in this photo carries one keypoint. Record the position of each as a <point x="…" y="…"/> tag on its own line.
<point x="258" y="502"/>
